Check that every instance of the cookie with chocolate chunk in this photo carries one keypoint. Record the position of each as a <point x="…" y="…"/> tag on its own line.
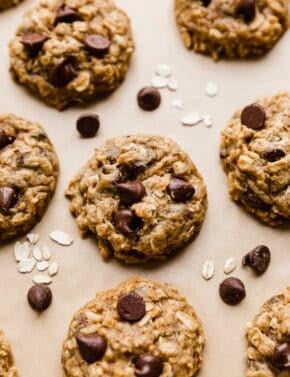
<point x="255" y="154"/>
<point x="141" y="196"/>
<point x="72" y="51"/>
<point x="7" y="368"/>
<point x="141" y="328"/>
<point x="28" y="175"/>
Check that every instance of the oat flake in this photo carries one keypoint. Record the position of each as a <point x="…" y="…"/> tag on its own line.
<point x="230" y="265"/>
<point x="177" y="103"/>
<point x="191" y="119"/>
<point x="42" y="266"/>
<point x="41" y="279"/>
<point x="211" y="89"/>
<point x="61" y="238"/>
<point x="163" y="70"/>
<point x="159" y="82"/>
<point x="208" y="270"/>
<point x="21" y="251"/>
<point x="172" y="85"/>
<point x="37" y="255"/>
<point x="26" y="265"/>
<point x="32" y="238"/>
<point x="53" y="268"/>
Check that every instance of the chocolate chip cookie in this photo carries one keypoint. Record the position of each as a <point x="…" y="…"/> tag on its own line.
<point x="255" y="154"/>
<point x="141" y="328"/>
<point x="7" y="368"/>
<point x="28" y="175"/>
<point x="72" y="51"/>
<point x="5" y="4"/>
<point x="141" y="195"/>
<point x="268" y="339"/>
<point x="231" y="28"/>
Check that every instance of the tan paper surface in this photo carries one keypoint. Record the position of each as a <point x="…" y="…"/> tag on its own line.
<point x="228" y="231"/>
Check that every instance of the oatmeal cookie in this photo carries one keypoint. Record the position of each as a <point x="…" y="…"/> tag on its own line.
<point x="268" y="339"/>
<point x="140" y="328"/>
<point x="141" y="195"/>
<point x="73" y="51"/>
<point x="231" y="28"/>
<point x="28" y="175"/>
<point x="255" y="154"/>
<point x="6" y="359"/>
<point x="5" y="4"/>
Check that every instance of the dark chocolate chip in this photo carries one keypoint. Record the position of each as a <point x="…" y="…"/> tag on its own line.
<point x="149" y="98"/>
<point x="246" y="9"/>
<point x="130" y="172"/>
<point x="39" y="297"/>
<point x="92" y="347"/>
<point x="180" y="190"/>
<point x="8" y="198"/>
<point x="253" y="116"/>
<point x="5" y="139"/>
<point x="127" y="222"/>
<point x="281" y="356"/>
<point x="254" y="201"/>
<point x="258" y="259"/>
<point x="148" y="366"/>
<point x="131" y="192"/>
<point x="66" y="14"/>
<point x="88" y="125"/>
<point x="274" y="155"/>
<point x="206" y="3"/>
<point x="131" y="307"/>
<point x="62" y="74"/>
<point x="33" y="42"/>
<point x="232" y="291"/>
<point x="97" y="44"/>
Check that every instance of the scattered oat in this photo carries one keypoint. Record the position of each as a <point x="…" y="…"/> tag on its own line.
<point x="37" y="254"/>
<point x="172" y="85"/>
<point x="42" y="266"/>
<point x="208" y="270"/>
<point x="159" y="82"/>
<point x="46" y="254"/>
<point x="32" y="238"/>
<point x="53" y="268"/>
<point x="21" y="251"/>
<point x="41" y="279"/>
<point x="61" y="238"/>
<point x="177" y="103"/>
<point x="230" y="265"/>
<point x="26" y="265"/>
<point x="207" y="120"/>
<point x="186" y="320"/>
<point x="191" y="119"/>
<point x="211" y="89"/>
<point x="163" y="70"/>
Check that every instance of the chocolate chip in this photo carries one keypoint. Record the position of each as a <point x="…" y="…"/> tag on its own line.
<point x="62" y="74"/>
<point x="232" y="291"/>
<point x="254" y="201"/>
<point x="281" y="356"/>
<point x="206" y="3"/>
<point x="127" y="222"/>
<point x="39" y="297"/>
<point x="180" y="190"/>
<point x="148" y="366"/>
<point x="33" y="42"/>
<point x="131" y="192"/>
<point x="66" y="14"/>
<point x="88" y="125"/>
<point x="274" y="155"/>
<point x="258" y="259"/>
<point x="8" y="198"/>
<point x="253" y="116"/>
<point x="246" y="9"/>
<point x="5" y="139"/>
<point x="149" y="98"/>
<point x="130" y="172"/>
<point x="131" y="307"/>
<point x="92" y="347"/>
<point x="97" y="44"/>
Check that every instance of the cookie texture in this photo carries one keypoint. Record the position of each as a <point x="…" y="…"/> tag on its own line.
<point x="170" y="333"/>
<point x="231" y="28"/>
<point x="257" y="161"/>
<point x="6" y="359"/>
<point x="142" y="197"/>
<point x="73" y="51"/>
<point x="28" y="175"/>
<point x="5" y="4"/>
<point x="269" y="332"/>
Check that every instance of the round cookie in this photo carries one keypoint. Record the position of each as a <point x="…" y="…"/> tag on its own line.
<point x="140" y="328"/>
<point x="28" y="175"/>
<point x="5" y="4"/>
<point x="6" y="359"/>
<point x="268" y="339"/>
<point x="255" y="154"/>
<point x="231" y="28"/>
<point x="73" y="51"/>
<point x="141" y="195"/>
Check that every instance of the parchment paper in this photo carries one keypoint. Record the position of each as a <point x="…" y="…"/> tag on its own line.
<point x="228" y="231"/>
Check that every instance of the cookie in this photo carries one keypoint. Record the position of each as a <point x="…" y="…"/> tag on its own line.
<point x="140" y="328"/>
<point x="5" y="4"/>
<point x="72" y="52"/>
<point x="7" y="368"/>
<point x="28" y="175"/>
<point x="255" y="154"/>
<point x="231" y="28"/>
<point x="268" y="338"/>
<point x="141" y="196"/>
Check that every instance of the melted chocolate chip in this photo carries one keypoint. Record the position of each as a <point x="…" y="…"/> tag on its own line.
<point x="130" y="172"/>
<point x="246" y="9"/>
<point x="8" y="198"/>
<point x="131" y="192"/>
<point x="148" y="366"/>
<point x="131" y="307"/>
<point x="62" y="74"/>
<point x="253" y="116"/>
<point x="180" y="190"/>
<point x="97" y="44"/>
<point x="232" y="291"/>
<point x="281" y="356"/>
<point x="88" y="125"/>
<point x="39" y="297"/>
<point x="66" y="14"/>
<point x="33" y="42"/>
<point x="258" y="259"/>
<point x="5" y="139"/>
<point x="206" y="3"/>
<point x="254" y="201"/>
<point x="149" y="98"/>
<point x="127" y="222"/>
<point x="274" y="155"/>
<point x="92" y="347"/>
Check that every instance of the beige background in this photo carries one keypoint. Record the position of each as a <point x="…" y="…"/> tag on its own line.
<point x="227" y="232"/>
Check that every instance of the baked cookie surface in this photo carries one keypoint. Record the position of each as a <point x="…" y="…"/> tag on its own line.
<point x="28" y="175"/>
<point x="6" y="359"/>
<point x="268" y="339"/>
<point x="139" y="327"/>
<point x="255" y="154"/>
<point x="5" y="4"/>
<point x="73" y="51"/>
<point x="141" y="195"/>
<point x="231" y="28"/>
